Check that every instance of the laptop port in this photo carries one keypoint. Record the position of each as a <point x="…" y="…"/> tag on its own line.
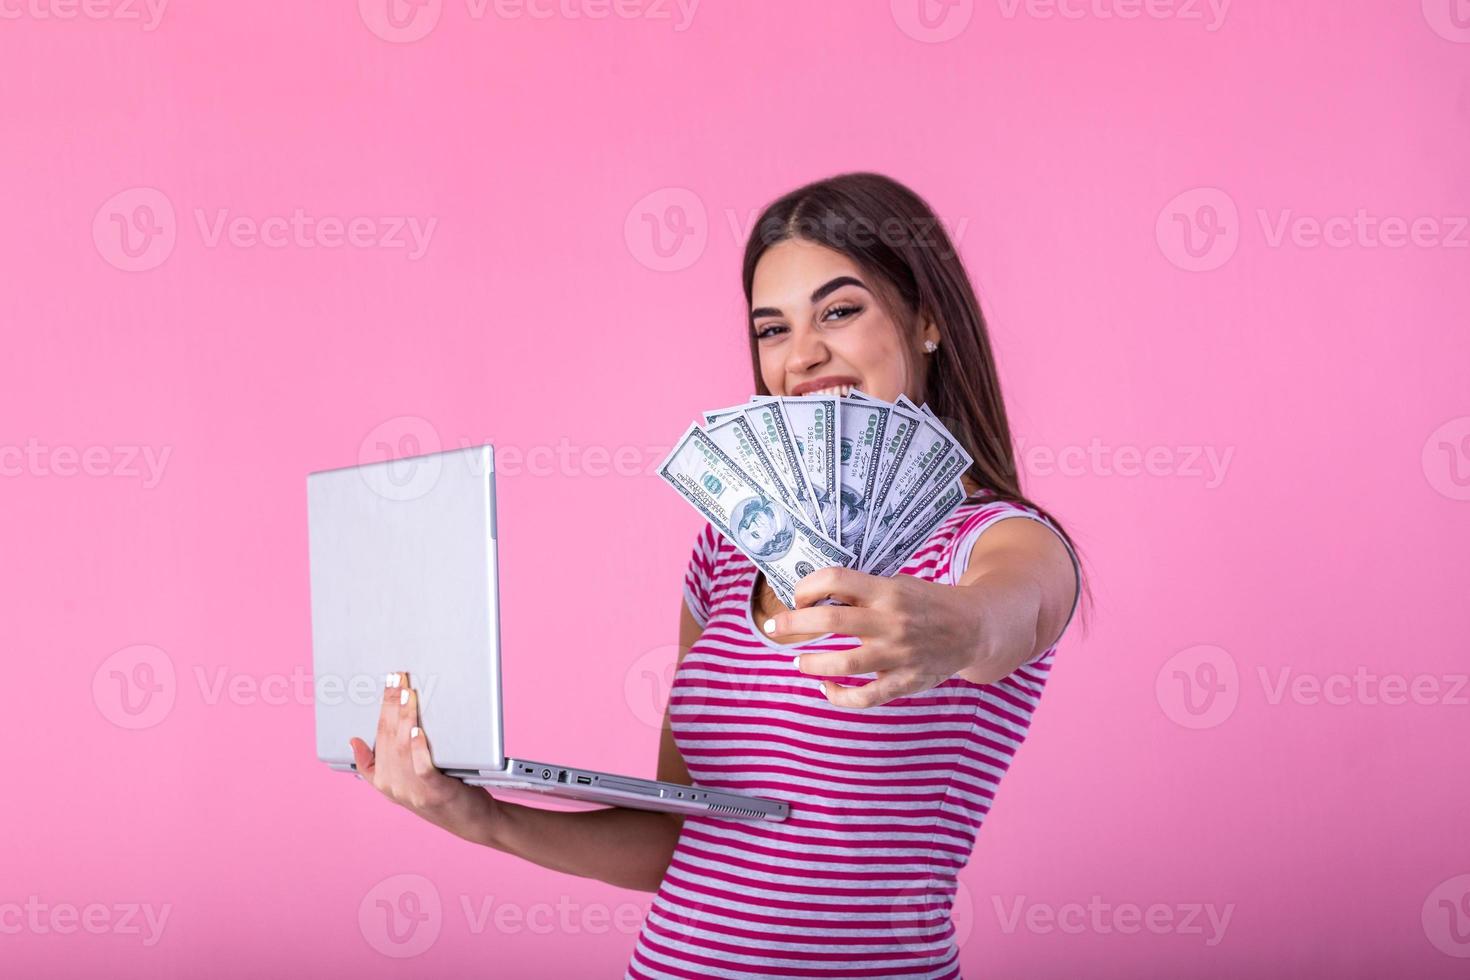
<point x="585" y="780"/>
<point x="561" y="777"/>
<point x="545" y="773"/>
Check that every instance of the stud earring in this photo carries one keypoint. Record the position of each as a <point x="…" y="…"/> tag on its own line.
<point x="930" y="346"/>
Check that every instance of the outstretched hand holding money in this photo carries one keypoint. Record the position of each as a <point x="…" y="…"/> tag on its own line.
<point x="915" y="634"/>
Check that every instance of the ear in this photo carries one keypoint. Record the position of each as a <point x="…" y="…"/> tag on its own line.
<point x="930" y="331"/>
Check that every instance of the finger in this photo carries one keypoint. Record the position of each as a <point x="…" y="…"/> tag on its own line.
<point x="418" y="747"/>
<point x="363" y="757"/>
<point x="884" y="688"/>
<point x="408" y="708"/>
<point x="846" y="584"/>
<point x="388" y="715"/>
<point x="408" y="717"/>
<point x="847" y="620"/>
<point x="847" y="663"/>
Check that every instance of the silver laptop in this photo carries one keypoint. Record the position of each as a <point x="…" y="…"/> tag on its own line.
<point x="404" y="577"/>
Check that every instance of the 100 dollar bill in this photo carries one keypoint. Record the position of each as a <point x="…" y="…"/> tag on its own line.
<point x="928" y="515"/>
<point x="781" y="543"/>
<point x="861" y="430"/>
<point x="815" y="425"/>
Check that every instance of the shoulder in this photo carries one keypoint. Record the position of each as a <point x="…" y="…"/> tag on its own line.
<point x="709" y="561"/>
<point x="947" y="551"/>
<point x="984" y="509"/>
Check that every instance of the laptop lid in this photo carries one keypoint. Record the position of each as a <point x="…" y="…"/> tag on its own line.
<point x="404" y="578"/>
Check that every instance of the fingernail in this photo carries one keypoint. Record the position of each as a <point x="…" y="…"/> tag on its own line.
<point x="392" y="680"/>
<point x="796" y="661"/>
<point x="769" y="625"/>
<point x="414" y="732"/>
<point x="403" y="698"/>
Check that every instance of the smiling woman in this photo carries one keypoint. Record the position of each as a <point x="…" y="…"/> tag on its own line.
<point x="888" y="777"/>
<point x="853" y="284"/>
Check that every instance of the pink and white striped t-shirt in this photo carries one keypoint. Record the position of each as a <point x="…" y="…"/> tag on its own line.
<point x="885" y="802"/>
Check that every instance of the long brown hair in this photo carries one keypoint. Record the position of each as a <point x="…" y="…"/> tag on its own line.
<point x="895" y="237"/>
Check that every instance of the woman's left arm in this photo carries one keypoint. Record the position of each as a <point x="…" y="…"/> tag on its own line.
<point x="1022" y="573"/>
<point x="1009" y="606"/>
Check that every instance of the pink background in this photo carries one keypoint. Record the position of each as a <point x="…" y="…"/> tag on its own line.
<point x="1068" y="154"/>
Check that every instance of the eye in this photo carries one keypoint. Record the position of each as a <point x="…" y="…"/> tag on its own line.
<point x="842" y="311"/>
<point x="768" y="330"/>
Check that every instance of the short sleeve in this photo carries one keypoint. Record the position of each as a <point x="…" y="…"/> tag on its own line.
<point x="700" y="576"/>
<point x="987" y="516"/>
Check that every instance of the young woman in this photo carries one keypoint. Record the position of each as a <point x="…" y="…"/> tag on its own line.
<point x="851" y="283"/>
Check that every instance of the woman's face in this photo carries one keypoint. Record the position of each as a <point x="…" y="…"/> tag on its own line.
<point x="820" y="327"/>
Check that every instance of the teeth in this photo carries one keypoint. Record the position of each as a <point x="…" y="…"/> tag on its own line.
<point x="841" y="391"/>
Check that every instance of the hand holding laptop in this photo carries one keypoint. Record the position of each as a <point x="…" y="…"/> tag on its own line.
<point x="402" y="769"/>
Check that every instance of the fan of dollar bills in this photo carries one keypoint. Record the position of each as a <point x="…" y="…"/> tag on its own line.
<point x="801" y="483"/>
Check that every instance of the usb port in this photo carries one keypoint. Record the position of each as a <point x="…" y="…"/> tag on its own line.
<point x="585" y="780"/>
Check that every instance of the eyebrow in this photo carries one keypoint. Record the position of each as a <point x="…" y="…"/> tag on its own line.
<point x="817" y="294"/>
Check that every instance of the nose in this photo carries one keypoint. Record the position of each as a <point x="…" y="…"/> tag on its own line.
<point x="806" y="351"/>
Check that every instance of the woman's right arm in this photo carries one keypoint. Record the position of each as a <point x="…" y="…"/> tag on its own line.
<point x="621" y="846"/>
